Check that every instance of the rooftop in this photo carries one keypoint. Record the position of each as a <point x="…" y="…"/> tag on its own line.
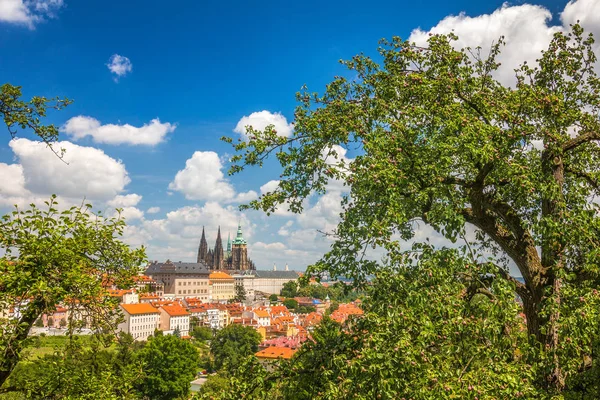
<point x="219" y="275"/>
<point x="175" y="311"/>
<point x="275" y="352"/>
<point x="170" y="267"/>
<point x="141" y="308"/>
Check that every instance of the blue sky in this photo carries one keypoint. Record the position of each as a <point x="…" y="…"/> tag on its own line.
<point x="199" y="68"/>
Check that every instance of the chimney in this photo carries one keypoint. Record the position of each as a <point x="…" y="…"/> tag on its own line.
<point x="286" y="267"/>
<point x="274" y="267"/>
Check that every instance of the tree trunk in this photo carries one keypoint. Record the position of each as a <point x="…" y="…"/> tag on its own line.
<point x="14" y="343"/>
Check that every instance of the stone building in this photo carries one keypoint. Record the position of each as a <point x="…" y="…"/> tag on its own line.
<point x="182" y="279"/>
<point x="235" y="258"/>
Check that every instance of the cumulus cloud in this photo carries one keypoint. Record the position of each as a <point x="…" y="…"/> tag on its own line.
<point x="177" y="235"/>
<point x="153" y="210"/>
<point x="128" y="200"/>
<point x="245" y="197"/>
<point x="28" y="13"/>
<point x="149" y="134"/>
<point x="119" y="65"/>
<point x="131" y="213"/>
<point x="83" y="172"/>
<point x="203" y="178"/>
<point x="261" y="119"/>
<point x="526" y="29"/>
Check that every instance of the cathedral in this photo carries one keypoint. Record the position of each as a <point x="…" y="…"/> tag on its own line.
<point x="235" y="258"/>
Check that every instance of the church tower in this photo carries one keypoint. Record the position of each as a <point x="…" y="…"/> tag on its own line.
<point x="239" y="252"/>
<point x="218" y="253"/>
<point x="202" y="249"/>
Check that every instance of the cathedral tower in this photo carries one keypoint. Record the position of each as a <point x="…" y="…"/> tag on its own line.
<point x="239" y="253"/>
<point x="202" y="249"/>
<point x="218" y="256"/>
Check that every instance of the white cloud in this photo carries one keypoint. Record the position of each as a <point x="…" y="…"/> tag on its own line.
<point x="131" y="213"/>
<point x="128" y="200"/>
<point x="277" y="246"/>
<point x="119" y="65"/>
<point x="261" y="119"/>
<point x="28" y="13"/>
<point x="245" y="197"/>
<point x="202" y="178"/>
<point x="149" y="134"/>
<point x="177" y="235"/>
<point x="83" y="171"/>
<point x="153" y="210"/>
<point x="526" y="29"/>
<point x="285" y="229"/>
<point x="269" y="187"/>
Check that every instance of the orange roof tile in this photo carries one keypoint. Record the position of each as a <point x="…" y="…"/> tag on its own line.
<point x="141" y="308"/>
<point x="175" y="311"/>
<point x="276" y="352"/>
<point x="261" y="314"/>
<point x="220" y="275"/>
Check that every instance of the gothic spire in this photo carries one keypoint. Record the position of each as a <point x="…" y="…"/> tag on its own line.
<point x="218" y="255"/>
<point x="203" y="248"/>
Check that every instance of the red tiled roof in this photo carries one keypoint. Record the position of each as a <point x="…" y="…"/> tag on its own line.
<point x="141" y="308"/>
<point x="175" y="311"/>
<point x="276" y="352"/>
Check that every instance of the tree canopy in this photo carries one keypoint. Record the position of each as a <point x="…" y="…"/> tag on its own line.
<point x="169" y="364"/>
<point x="59" y="257"/>
<point x="17" y="113"/>
<point x="439" y="140"/>
<point x="232" y="344"/>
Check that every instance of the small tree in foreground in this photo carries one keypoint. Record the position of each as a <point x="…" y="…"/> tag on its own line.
<point x="56" y="258"/>
<point x="169" y="364"/>
<point x="440" y="141"/>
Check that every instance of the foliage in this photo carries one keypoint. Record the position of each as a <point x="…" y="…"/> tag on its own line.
<point x="289" y="289"/>
<point x="465" y="345"/>
<point x="215" y="386"/>
<point x="233" y="344"/>
<point x="290" y="304"/>
<point x="56" y="258"/>
<point x="169" y="364"/>
<point x="76" y="371"/>
<point x="240" y="294"/>
<point x="17" y="113"/>
<point x="202" y="333"/>
<point x="273" y="298"/>
<point x="441" y="141"/>
<point x="305" y="309"/>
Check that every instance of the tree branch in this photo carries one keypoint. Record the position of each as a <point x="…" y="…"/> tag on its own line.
<point x="583" y="138"/>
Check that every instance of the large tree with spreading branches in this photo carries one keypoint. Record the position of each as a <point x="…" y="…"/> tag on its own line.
<point x="438" y="139"/>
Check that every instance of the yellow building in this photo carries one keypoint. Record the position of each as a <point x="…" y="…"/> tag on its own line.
<point x="222" y="286"/>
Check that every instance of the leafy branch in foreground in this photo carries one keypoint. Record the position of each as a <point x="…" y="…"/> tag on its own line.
<point x="59" y="257"/>
<point x="438" y="139"/>
<point x="17" y="113"/>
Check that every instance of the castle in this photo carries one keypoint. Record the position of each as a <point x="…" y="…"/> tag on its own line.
<point x="235" y="258"/>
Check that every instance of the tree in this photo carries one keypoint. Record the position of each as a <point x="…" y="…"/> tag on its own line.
<point x="17" y="113"/>
<point x="462" y="346"/>
<point x="50" y="322"/>
<point x="232" y="344"/>
<point x="441" y="141"/>
<point x="170" y="364"/>
<point x="289" y="289"/>
<point x="290" y="303"/>
<point x="76" y="372"/>
<point x="63" y="323"/>
<point x="273" y="298"/>
<point x="240" y="294"/>
<point x="56" y="258"/>
<point x="202" y="333"/>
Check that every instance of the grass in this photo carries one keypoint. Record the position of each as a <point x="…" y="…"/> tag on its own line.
<point x="40" y="346"/>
